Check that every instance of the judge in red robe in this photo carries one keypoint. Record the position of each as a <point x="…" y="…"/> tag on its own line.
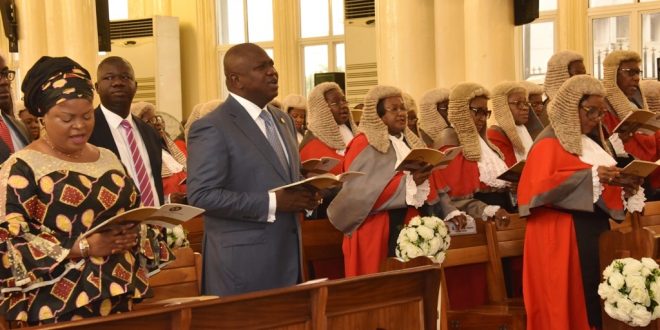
<point x="512" y="111"/>
<point x="372" y="209"/>
<point x="568" y="194"/>
<point x="621" y="80"/>
<point x="472" y="179"/>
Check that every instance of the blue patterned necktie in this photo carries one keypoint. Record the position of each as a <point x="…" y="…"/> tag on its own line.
<point x="273" y="137"/>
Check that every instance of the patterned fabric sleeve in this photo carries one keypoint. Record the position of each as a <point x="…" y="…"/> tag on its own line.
<point x="29" y="250"/>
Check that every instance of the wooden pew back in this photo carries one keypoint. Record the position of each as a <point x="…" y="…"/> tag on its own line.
<point x="181" y="278"/>
<point x="195" y="228"/>
<point x="510" y="240"/>
<point x="405" y="299"/>
<point x="320" y="241"/>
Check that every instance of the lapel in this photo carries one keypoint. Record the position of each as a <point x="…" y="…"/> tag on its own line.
<point x="101" y="135"/>
<point x="19" y="128"/>
<point x="250" y="129"/>
<point x="290" y="139"/>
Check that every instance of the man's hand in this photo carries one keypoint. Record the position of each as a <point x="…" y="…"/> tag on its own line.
<point x="297" y="200"/>
<point x="502" y="218"/>
<point x="460" y="221"/>
<point x="607" y="174"/>
<point x="178" y="197"/>
<point x="422" y="174"/>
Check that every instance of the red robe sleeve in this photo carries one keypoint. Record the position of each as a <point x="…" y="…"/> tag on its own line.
<point x="501" y="141"/>
<point x="315" y="149"/>
<point x="462" y="176"/>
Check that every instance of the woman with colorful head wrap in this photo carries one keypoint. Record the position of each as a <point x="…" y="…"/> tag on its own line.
<point x="568" y="190"/>
<point x="54" y="191"/>
<point x="371" y="209"/>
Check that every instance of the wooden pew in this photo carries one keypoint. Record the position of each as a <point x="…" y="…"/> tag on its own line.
<point x="404" y="299"/>
<point x="496" y="313"/>
<point x="181" y="278"/>
<point x="509" y="242"/>
<point x="321" y="241"/>
<point x="195" y="228"/>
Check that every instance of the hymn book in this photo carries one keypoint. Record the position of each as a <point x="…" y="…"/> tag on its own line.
<point x="643" y="121"/>
<point x="168" y="215"/>
<point x="421" y="157"/>
<point x="640" y="168"/>
<point x="319" y="165"/>
<point x="321" y="181"/>
<point x="513" y="173"/>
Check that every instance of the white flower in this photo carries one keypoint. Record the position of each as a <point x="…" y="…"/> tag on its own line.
<point x="640" y="296"/>
<point x="178" y="231"/>
<point x="623" y="310"/>
<point x="636" y="282"/>
<point x="650" y="263"/>
<point x="656" y="312"/>
<point x="442" y="229"/>
<point x="425" y="248"/>
<point x="640" y="316"/>
<point x="431" y="222"/>
<point x="607" y="272"/>
<point x="631" y="266"/>
<point x="425" y="232"/>
<point x="617" y="281"/>
<point x="606" y="292"/>
<point x="412" y="251"/>
<point x="434" y="245"/>
<point x="440" y="257"/>
<point x="412" y="234"/>
<point x="655" y="288"/>
<point x="416" y="221"/>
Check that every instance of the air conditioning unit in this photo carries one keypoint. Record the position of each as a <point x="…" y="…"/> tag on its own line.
<point x="151" y="45"/>
<point x="360" y="43"/>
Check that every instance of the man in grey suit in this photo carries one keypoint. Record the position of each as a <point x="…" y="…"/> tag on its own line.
<point x="236" y="154"/>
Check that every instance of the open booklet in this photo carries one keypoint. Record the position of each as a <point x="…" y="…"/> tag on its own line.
<point x="421" y="157"/>
<point x="321" y="181"/>
<point x="643" y="121"/>
<point x="168" y="215"/>
<point x="319" y="165"/>
<point x="640" y="168"/>
<point x="513" y="173"/>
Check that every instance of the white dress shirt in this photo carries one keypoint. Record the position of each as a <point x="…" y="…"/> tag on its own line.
<point x="254" y="111"/>
<point x="121" y="140"/>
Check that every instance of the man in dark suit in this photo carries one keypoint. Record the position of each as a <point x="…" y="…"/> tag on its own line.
<point x="13" y="135"/>
<point x="236" y="154"/>
<point x="135" y="142"/>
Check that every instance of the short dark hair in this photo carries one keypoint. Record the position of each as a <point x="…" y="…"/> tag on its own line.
<point x="380" y="108"/>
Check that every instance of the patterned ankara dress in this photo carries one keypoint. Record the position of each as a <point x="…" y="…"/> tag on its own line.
<point x="48" y="204"/>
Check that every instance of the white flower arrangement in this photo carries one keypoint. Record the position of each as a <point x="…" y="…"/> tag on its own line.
<point x="631" y="290"/>
<point x="177" y="237"/>
<point x="423" y="236"/>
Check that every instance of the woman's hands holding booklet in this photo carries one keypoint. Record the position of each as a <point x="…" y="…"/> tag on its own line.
<point x="115" y="239"/>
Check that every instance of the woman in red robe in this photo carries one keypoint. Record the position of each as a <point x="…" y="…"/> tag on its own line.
<point x="372" y="209"/>
<point x="621" y="80"/>
<point x="569" y="189"/>
<point x="512" y="111"/>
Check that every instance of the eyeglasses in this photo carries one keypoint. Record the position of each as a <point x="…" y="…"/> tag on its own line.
<point x="520" y="104"/>
<point x="156" y="120"/>
<point x="8" y="74"/>
<point x="593" y="113"/>
<point x="536" y="104"/>
<point x="632" y="72"/>
<point x="442" y="108"/>
<point x="481" y="112"/>
<point x="339" y="103"/>
<point x="397" y="110"/>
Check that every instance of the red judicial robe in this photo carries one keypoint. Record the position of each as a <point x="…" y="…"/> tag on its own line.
<point x="370" y="209"/>
<point x="561" y="267"/>
<point x="497" y="137"/>
<point x="312" y="148"/>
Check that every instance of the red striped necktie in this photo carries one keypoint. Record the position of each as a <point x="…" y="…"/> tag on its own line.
<point x="142" y="175"/>
<point x="5" y="135"/>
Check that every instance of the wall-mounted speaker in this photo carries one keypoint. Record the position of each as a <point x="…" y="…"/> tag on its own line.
<point x="336" y="77"/>
<point x="10" y="23"/>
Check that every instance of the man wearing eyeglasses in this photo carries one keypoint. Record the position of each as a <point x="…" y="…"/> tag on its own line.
<point x="622" y="74"/>
<point x="13" y="135"/>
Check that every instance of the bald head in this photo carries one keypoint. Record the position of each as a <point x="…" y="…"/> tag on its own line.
<point x="250" y="73"/>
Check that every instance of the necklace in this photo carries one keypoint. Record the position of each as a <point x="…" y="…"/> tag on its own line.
<point x="52" y="146"/>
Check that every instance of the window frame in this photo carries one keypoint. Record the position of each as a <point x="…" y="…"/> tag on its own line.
<point x="544" y="16"/>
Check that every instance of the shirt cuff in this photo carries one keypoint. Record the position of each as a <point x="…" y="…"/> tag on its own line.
<point x="452" y="214"/>
<point x="489" y="212"/>
<point x="272" y="207"/>
<point x="635" y="203"/>
<point x="416" y="195"/>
